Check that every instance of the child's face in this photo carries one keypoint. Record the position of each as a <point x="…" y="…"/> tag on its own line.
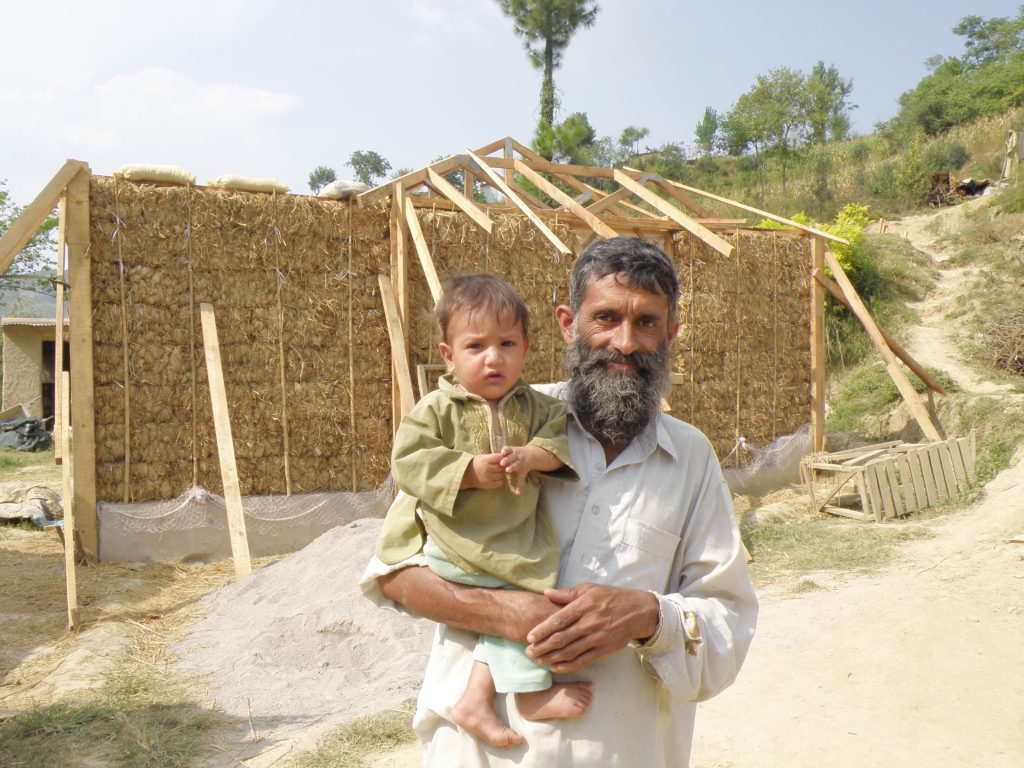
<point x="485" y="352"/>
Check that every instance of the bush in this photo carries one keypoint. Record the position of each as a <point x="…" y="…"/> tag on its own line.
<point x="945" y="156"/>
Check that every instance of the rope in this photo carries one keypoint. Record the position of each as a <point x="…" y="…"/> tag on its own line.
<point x="115" y="236"/>
<point x="280" y="348"/>
<point x="351" y="359"/>
<point x="187" y="234"/>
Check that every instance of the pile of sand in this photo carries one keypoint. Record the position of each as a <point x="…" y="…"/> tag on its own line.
<point x="296" y="643"/>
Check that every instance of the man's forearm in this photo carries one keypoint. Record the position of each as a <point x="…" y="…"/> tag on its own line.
<point x="507" y="613"/>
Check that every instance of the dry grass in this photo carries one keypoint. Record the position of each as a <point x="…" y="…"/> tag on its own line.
<point x="349" y="745"/>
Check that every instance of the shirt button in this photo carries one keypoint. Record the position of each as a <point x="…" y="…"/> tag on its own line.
<point x="595" y="509"/>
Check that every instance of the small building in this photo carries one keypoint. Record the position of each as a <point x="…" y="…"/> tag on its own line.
<point x="29" y="364"/>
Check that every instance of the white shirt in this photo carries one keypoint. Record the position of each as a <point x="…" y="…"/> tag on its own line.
<point x="658" y="518"/>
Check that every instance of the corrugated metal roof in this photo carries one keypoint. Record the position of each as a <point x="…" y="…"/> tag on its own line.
<point x="41" y="322"/>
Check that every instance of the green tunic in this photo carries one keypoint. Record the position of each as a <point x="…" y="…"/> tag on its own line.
<point x="482" y="531"/>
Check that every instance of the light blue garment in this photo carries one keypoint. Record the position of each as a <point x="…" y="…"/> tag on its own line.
<point x="511" y="669"/>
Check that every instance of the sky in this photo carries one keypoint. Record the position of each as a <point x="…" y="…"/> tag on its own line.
<point x="271" y="88"/>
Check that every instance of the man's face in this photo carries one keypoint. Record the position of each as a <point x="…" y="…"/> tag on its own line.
<point x="618" y="361"/>
<point x="622" y="317"/>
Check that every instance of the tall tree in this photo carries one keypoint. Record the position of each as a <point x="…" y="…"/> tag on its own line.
<point x="571" y="141"/>
<point x="546" y="27"/>
<point x="990" y="40"/>
<point x="707" y="130"/>
<point x="368" y="165"/>
<point x="828" y="106"/>
<point x="630" y="139"/>
<point x="320" y="177"/>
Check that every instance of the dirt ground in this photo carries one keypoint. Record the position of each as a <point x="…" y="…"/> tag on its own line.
<point x="918" y="663"/>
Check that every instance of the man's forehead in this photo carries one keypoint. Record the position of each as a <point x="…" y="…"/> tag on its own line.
<point x="618" y="286"/>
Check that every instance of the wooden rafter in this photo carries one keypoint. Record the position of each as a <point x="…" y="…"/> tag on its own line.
<point x="723" y="247"/>
<point x="422" y="251"/>
<point x="23" y="227"/>
<point x="758" y="212"/>
<point x="607" y="200"/>
<point x="499" y="183"/>
<point x="548" y="188"/>
<point x="470" y="208"/>
<point x="409" y="180"/>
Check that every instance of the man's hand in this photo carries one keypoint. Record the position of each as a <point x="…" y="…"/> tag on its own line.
<point x="595" y="621"/>
<point x="509" y="613"/>
<point x="484" y="471"/>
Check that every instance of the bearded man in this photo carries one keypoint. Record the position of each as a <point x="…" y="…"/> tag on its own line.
<point x="654" y="604"/>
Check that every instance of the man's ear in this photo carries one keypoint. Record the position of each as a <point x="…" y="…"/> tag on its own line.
<point x="673" y="331"/>
<point x="446" y="353"/>
<point x="565" y="319"/>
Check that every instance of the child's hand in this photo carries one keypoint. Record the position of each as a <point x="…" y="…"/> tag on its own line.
<point x="517" y="460"/>
<point x="484" y="471"/>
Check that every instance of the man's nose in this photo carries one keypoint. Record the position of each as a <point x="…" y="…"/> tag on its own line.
<point x="624" y="339"/>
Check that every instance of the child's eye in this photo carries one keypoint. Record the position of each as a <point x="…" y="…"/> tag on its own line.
<point x="508" y="344"/>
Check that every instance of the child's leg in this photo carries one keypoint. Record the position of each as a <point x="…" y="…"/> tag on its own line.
<point x="536" y="698"/>
<point x="475" y="710"/>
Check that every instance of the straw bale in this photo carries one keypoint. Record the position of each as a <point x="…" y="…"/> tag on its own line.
<point x="297" y="276"/>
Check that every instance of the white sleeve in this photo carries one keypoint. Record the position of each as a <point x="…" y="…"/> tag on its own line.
<point x="706" y="626"/>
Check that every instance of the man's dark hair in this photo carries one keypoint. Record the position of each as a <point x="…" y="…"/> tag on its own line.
<point x="480" y="292"/>
<point x="641" y="262"/>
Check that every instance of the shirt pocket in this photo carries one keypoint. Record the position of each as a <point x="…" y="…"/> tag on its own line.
<point x="645" y="555"/>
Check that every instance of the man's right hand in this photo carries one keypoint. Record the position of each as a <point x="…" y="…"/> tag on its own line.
<point x="510" y="613"/>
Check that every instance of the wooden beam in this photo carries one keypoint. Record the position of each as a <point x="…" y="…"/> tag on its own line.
<point x="891" y="365"/>
<point x="408" y="180"/>
<point x="466" y="205"/>
<point x="63" y="438"/>
<point x="58" y="333"/>
<point x="817" y="340"/>
<point x="898" y="350"/>
<point x="682" y="198"/>
<point x="23" y="227"/>
<point x="225" y="442"/>
<point x="423" y="252"/>
<point x="505" y="189"/>
<point x="548" y="188"/>
<point x="83" y="423"/>
<point x="722" y="246"/>
<point x="396" y="333"/>
<point x="607" y="200"/>
<point x="759" y="212"/>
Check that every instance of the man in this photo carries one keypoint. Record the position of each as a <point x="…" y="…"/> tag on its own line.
<point x="654" y="605"/>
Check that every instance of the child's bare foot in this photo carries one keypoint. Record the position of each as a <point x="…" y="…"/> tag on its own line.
<point x="474" y="711"/>
<point x="560" y="701"/>
<point x="481" y="720"/>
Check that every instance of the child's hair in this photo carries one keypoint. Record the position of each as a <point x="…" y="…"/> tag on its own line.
<point x="480" y="292"/>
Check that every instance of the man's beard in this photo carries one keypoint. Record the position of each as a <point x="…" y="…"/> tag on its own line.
<point x="615" y="406"/>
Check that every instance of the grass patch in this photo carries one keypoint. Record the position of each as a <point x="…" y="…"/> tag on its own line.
<point x="829" y="544"/>
<point x="12" y="460"/>
<point x="870" y="390"/>
<point x="119" y="730"/>
<point x="348" y="745"/>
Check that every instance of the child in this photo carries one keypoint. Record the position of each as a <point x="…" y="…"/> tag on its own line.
<point x="455" y="456"/>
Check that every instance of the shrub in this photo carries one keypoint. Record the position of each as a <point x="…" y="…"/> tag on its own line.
<point x="945" y="156"/>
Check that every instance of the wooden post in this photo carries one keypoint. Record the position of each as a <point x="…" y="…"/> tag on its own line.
<point x="399" y="286"/>
<point x="64" y="387"/>
<point x="406" y="399"/>
<point x="83" y="424"/>
<point x="58" y="335"/>
<point x="891" y="365"/>
<point x="817" y="348"/>
<point x="225" y="442"/>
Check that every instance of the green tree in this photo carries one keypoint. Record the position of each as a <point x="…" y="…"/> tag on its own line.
<point x="707" y="130"/>
<point x="630" y="139"/>
<point x="320" y="177"/>
<point x="827" y="104"/>
<point x="571" y="141"/>
<point x="547" y="27"/>
<point x="990" y="40"/>
<point x="368" y="166"/>
<point x="36" y="257"/>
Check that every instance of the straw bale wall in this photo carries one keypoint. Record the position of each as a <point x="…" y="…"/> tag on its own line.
<point x="300" y="274"/>
<point x="287" y="272"/>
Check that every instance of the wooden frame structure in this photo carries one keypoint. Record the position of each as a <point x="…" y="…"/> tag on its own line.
<point x="628" y="202"/>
